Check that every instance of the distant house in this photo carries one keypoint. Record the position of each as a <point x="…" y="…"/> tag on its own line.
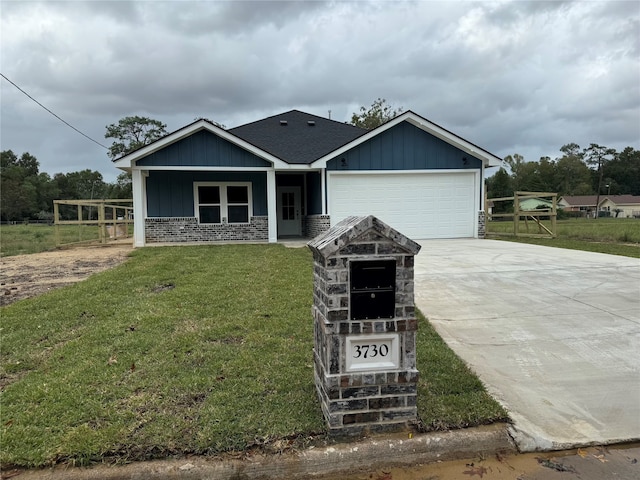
<point x="578" y="203"/>
<point x="617" y="206"/>
<point x="296" y="174"/>
<point x="621" y="206"/>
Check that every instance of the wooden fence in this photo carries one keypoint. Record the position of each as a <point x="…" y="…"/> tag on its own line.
<point x="535" y="216"/>
<point x="111" y="218"/>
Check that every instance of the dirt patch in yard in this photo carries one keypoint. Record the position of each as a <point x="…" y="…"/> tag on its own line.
<point x="25" y="276"/>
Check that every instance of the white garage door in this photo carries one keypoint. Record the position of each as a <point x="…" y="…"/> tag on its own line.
<point x="418" y="205"/>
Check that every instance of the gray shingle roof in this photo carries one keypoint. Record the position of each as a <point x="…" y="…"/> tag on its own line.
<point x="301" y="140"/>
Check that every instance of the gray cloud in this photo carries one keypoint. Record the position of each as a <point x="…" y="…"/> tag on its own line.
<point x="519" y="76"/>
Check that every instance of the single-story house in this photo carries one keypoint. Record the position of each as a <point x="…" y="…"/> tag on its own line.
<point x="296" y="174"/>
<point x="619" y="206"/>
<point x="578" y="203"/>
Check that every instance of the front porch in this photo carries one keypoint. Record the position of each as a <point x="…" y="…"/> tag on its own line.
<point x="252" y="205"/>
<point x="299" y="205"/>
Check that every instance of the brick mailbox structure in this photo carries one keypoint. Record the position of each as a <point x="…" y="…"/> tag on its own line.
<point x="365" y="326"/>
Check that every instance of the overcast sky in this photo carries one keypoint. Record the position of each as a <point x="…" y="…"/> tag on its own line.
<point x="512" y="77"/>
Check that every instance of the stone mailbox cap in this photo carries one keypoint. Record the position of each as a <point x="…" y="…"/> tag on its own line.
<point x="351" y="229"/>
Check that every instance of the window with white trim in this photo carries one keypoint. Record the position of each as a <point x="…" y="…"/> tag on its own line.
<point x="222" y="202"/>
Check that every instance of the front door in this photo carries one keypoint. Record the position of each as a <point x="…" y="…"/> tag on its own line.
<point x="288" y="204"/>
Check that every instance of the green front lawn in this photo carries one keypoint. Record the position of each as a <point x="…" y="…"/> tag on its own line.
<point x="186" y="350"/>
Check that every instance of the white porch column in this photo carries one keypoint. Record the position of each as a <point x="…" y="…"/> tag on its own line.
<point x="323" y="190"/>
<point x="272" y="211"/>
<point x="138" y="187"/>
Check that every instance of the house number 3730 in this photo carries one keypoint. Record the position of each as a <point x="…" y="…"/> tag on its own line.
<point x="370" y="351"/>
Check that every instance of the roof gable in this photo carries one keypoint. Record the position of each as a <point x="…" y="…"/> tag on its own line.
<point x="403" y="147"/>
<point x="297" y="137"/>
<point x="623" y="199"/>
<point x="129" y="160"/>
<point x="487" y="158"/>
<point x="202" y="149"/>
<point x="351" y="229"/>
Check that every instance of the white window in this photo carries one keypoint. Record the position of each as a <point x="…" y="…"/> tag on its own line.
<point x="222" y="202"/>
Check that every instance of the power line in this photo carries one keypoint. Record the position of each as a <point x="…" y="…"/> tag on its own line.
<point x="63" y="121"/>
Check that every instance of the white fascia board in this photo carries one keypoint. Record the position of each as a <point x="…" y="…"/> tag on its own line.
<point x="128" y="161"/>
<point x="488" y="159"/>
<point x="175" y="168"/>
<point x="435" y="171"/>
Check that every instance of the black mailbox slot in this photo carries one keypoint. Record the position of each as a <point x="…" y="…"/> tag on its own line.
<point x="373" y="274"/>
<point x="373" y="288"/>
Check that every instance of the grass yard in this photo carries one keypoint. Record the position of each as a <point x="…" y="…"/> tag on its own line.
<point x="23" y="239"/>
<point x="616" y="236"/>
<point x="186" y="350"/>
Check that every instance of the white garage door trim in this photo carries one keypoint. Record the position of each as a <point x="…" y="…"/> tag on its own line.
<point x="419" y="204"/>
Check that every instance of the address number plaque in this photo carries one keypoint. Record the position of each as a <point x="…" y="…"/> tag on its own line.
<point x="372" y="352"/>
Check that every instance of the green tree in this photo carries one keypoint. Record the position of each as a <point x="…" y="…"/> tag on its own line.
<point x="132" y="133"/>
<point x="46" y="192"/>
<point x="85" y="184"/>
<point x="623" y="172"/>
<point x="528" y="179"/>
<point x="598" y="156"/>
<point x="18" y="186"/>
<point x="572" y="150"/>
<point x="499" y="186"/>
<point x="545" y="175"/>
<point x="376" y="115"/>
<point x="517" y="166"/>
<point x="122" y="187"/>
<point x="572" y="174"/>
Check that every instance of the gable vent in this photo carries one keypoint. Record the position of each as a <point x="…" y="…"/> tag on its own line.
<point x="283" y="123"/>
<point x="311" y="123"/>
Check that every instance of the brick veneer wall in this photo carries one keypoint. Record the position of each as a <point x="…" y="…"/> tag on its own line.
<point x="353" y="402"/>
<point x="314" y="225"/>
<point x="482" y="225"/>
<point x="187" y="229"/>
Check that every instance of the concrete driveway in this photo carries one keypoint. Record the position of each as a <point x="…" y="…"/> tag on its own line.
<point x="553" y="333"/>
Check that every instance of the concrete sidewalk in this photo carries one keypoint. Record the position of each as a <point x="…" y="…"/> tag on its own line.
<point x="553" y="333"/>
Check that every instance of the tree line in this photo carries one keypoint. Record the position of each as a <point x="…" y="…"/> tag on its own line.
<point x="594" y="170"/>
<point x="28" y="194"/>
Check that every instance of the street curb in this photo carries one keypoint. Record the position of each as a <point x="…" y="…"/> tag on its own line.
<point x="370" y="453"/>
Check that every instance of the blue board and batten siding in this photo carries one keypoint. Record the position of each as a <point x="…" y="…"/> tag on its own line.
<point x="202" y="149"/>
<point x="404" y="147"/>
<point x="170" y="194"/>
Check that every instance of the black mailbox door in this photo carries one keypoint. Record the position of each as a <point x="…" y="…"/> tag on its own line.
<point x="373" y="287"/>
